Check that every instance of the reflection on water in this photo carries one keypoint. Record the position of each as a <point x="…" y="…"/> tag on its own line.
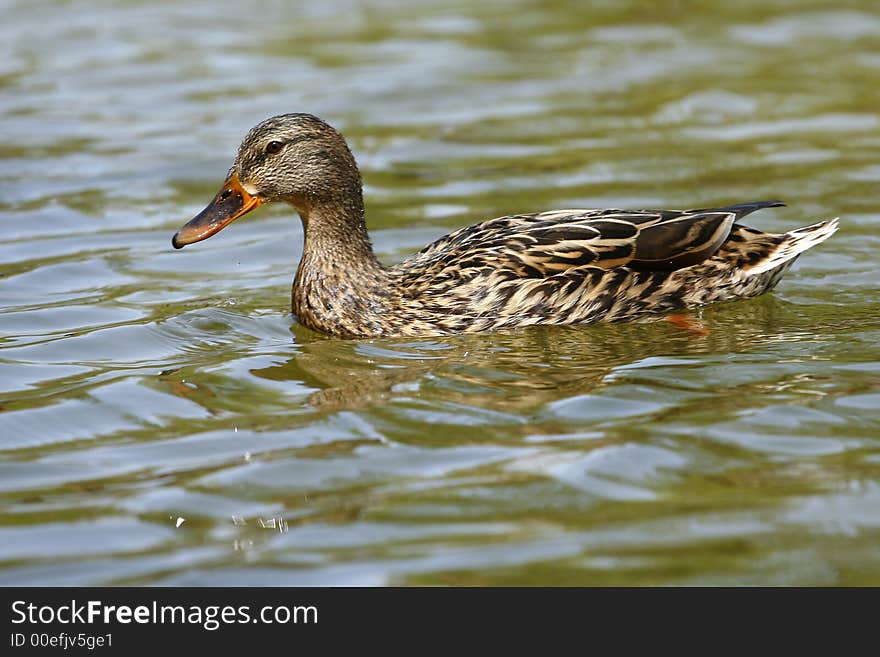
<point x="162" y="421"/>
<point x="518" y="371"/>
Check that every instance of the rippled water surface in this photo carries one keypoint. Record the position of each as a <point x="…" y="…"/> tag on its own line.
<point x="163" y="419"/>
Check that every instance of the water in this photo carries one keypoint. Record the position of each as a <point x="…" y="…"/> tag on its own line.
<point x="164" y="421"/>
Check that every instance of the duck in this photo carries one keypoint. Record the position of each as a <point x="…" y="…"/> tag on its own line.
<point x="558" y="267"/>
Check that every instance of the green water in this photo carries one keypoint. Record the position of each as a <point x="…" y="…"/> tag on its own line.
<point x="163" y="420"/>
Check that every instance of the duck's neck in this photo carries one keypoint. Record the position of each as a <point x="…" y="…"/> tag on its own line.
<point x="336" y="233"/>
<point x="339" y="283"/>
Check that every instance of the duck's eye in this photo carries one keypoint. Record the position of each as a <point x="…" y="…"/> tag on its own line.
<point x="274" y="147"/>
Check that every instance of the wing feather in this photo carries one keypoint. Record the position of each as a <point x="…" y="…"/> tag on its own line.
<point x="549" y="243"/>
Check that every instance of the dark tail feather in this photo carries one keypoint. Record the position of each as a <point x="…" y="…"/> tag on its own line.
<point x="742" y="209"/>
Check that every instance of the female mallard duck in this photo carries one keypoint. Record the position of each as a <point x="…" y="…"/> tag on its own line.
<point x="558" y="267"/>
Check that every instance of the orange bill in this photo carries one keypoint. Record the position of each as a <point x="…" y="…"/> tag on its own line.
<point x="231" y="202"/>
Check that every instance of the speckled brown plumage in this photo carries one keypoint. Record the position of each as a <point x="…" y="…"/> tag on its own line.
<point x="559" y="267"/>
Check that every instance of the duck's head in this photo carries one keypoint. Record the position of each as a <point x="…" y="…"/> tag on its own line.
<point x="296" y="158"/>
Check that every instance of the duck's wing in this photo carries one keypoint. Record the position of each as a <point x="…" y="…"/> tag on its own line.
<point x="548" y="243"/>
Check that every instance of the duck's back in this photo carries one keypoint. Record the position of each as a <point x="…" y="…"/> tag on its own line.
<point x="580" y="266"/>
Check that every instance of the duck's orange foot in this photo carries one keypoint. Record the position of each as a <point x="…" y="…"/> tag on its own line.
<point x="687" y="323"/>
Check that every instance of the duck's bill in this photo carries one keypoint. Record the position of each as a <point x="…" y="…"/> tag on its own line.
<point x="231" y="202"/>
